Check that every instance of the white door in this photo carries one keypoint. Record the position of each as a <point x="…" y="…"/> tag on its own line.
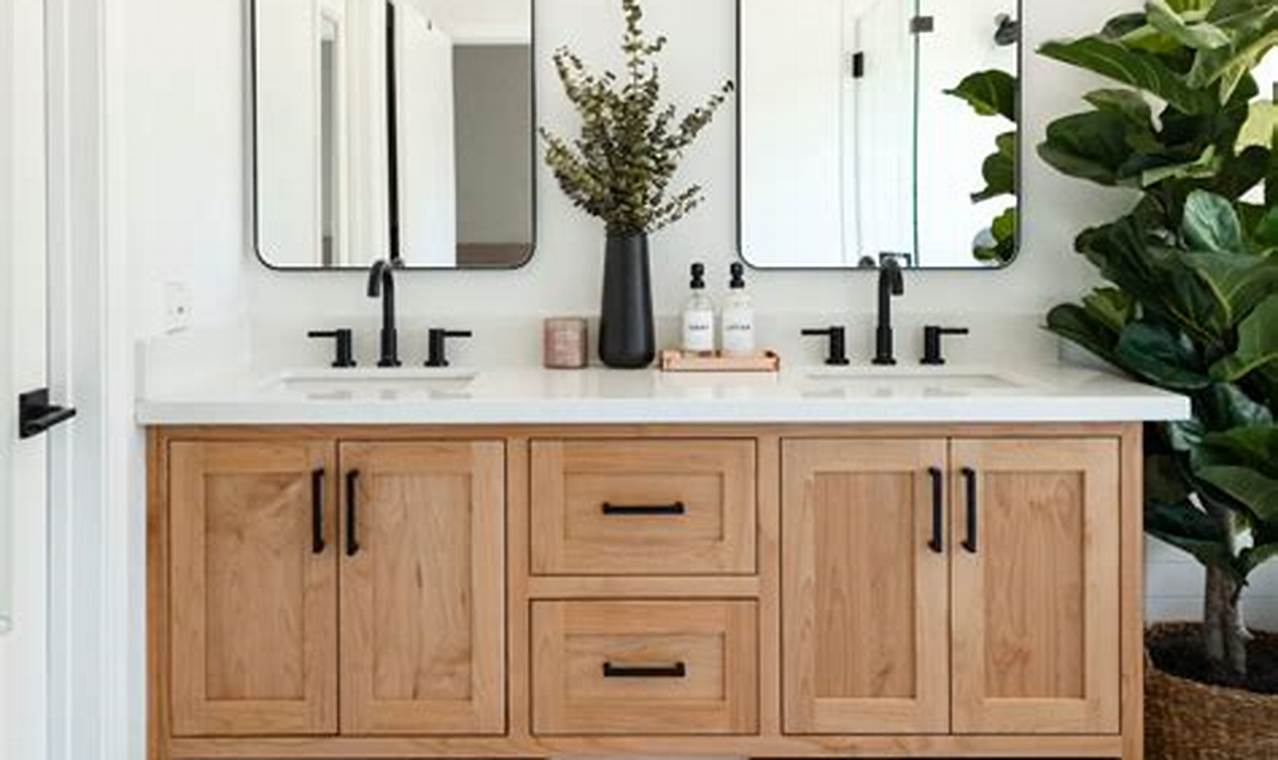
<point x="23" y="360"/>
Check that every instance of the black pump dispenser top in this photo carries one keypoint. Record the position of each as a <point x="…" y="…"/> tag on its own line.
<point x="738" y="276"/>
<point x="698" y="276"/>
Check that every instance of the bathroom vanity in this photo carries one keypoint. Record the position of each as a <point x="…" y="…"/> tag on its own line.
<point x="524" y="563"/>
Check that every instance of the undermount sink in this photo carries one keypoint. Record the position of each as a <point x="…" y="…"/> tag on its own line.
<point x="929" y="381"/>
<point x="373" y="380"/>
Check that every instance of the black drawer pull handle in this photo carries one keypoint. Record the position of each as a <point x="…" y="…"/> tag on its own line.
<point x="678" y="508"/>
<point x="317" y="512"/>
<point x="937" y="543"/>
<point x="969" y="479"/>
<point x="678" y="670"/>
<point x="352" y="490"/>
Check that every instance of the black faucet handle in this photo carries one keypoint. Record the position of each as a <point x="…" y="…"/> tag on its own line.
<point x="439" y="345"/>
<point x="838" y="350"/>
<point x="344" y="357"/>
<point x="933" y="335"/>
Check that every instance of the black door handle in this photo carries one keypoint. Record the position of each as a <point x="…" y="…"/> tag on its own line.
<point x="678" y="508"/>
<point x="317" y="512"/>
<point x="937" y="544"/>
<point x="36" y="415"/>
<point x="678" y="670"/>
<point x="352" y="489"/>
<point x="969" y="479"/>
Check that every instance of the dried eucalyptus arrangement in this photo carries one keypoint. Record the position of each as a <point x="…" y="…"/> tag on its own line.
<point x="622" y="165"/>
<point x="620" y="169"/>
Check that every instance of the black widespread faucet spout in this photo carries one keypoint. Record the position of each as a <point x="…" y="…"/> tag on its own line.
<point x="891" y="283"/>
<point x="381" y="284"/>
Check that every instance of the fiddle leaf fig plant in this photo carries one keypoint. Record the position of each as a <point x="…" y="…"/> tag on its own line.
<point x="1191" y="303"/>
<point x="995" y="93"/>
<point x="621" y="167"/>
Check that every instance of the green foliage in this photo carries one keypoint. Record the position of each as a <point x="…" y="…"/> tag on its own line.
<point x="1192" y="304"/>
<point x="996" y="93"/>
<point x="621" y="167"/>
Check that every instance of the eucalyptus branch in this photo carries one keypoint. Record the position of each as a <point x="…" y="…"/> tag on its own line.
<point x="622" y="163"/>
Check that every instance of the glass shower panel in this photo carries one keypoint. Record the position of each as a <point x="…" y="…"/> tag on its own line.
<point x="878" y="128"/>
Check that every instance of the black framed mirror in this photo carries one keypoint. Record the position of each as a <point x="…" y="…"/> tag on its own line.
<point x="393" y="128"/>
<point x="880" y="129"/>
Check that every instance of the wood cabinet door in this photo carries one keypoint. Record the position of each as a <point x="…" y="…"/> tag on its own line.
<point x="253" y="611"/>
<point x="1036" y="586"/>
<point x="864" y="589"/>
<point x="422" y="597"/>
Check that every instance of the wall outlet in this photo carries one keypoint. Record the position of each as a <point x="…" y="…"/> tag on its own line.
<point x="177" y="307"/>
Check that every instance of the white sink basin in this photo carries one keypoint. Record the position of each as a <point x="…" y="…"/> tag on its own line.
<point x="905" y="381"/>
<point x="373" y="381"/>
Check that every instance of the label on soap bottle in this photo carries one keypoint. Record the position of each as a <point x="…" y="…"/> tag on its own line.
<point x="738" y="331"/>
<point x="698" y="331"/>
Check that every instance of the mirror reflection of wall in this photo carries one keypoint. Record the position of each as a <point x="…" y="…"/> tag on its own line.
<point x="408" y="121"/>
<point x="853" y="150"/>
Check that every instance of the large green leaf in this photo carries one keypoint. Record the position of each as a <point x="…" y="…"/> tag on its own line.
<point x="1162" y="356"/>
<point x="1257" y="343"/>
<point x="1090" y="146"/>
<point x="999" y="170"/>
<point x="1003" y="229"/>
<point x="1112" y="307"/>
<point x="1253" y="489"/>
<point x="1134" y="68"/>
<point x="1258" y="131"/>
<point x="1224" y="406"/>
<point x="1211" y="224"/>
<point x="1186" y="527"/>
<point x="1086" y="330"/>
<point x="990" y="93"/>
<point x="1254" y="446"/>
<point x="1239" y="283"/>
<point x="1200" y="35"/>
<point x="1256" y="556"/>
<point x="1253" y="31"/>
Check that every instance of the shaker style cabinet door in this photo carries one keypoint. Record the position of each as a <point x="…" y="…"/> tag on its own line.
<point x="865" y="587"/>
<point x="422" y="588"/>
<point x="1036" y="586"/>
<point x="253" y="616"/>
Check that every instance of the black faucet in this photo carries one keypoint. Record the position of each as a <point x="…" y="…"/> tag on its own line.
<point x="381" y="284"/>
<point x="891" y="283"/>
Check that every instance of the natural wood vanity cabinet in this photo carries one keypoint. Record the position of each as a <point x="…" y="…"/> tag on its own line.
<point x="254" y="605"/>
<point x="644" y="668"/>
<point x="1036" y="596"/>
<point x="865" y="602"/>
<point x="422" y="599"/>
<point x="643" y="507"/>
<point x="739" y="590"/>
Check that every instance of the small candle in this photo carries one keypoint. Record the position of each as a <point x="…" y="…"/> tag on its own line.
<point x="566" y="344"/>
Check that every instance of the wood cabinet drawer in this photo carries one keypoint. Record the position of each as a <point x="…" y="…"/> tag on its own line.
<point x="683" y="507"/>
<point x="645" y="668"/>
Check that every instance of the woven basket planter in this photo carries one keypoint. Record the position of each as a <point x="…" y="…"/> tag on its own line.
<point x="1186" y="720"/>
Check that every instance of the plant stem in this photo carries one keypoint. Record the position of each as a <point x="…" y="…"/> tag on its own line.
<point x="1225" y="634"/>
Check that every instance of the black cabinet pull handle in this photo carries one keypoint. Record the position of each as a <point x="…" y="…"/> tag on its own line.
<point x="678" y="508"/>
<point x="352" y="490"/>
<point x="317" y="512"/>
<point x="678" y="670"/>
<point x="969" y="480"/>
<point x="937" y="544"/>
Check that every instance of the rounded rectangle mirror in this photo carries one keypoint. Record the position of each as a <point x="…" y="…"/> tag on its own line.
<point x="879" y="129"/>
<point x="395" y="129"/>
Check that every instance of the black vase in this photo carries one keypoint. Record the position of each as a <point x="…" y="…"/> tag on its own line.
<point x="626" y="336"/>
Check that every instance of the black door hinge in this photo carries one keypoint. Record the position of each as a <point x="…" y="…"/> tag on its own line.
<point x="922" y="25"/>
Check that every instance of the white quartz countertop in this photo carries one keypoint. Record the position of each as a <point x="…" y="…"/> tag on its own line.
<point x="957" y="394"/>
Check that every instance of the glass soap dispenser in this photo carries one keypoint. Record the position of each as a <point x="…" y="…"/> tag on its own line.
<point x="698" y="316"/>
<point x="738" y="316"/>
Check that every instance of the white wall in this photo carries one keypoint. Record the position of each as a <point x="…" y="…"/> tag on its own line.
<point x="188" y="203"/>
